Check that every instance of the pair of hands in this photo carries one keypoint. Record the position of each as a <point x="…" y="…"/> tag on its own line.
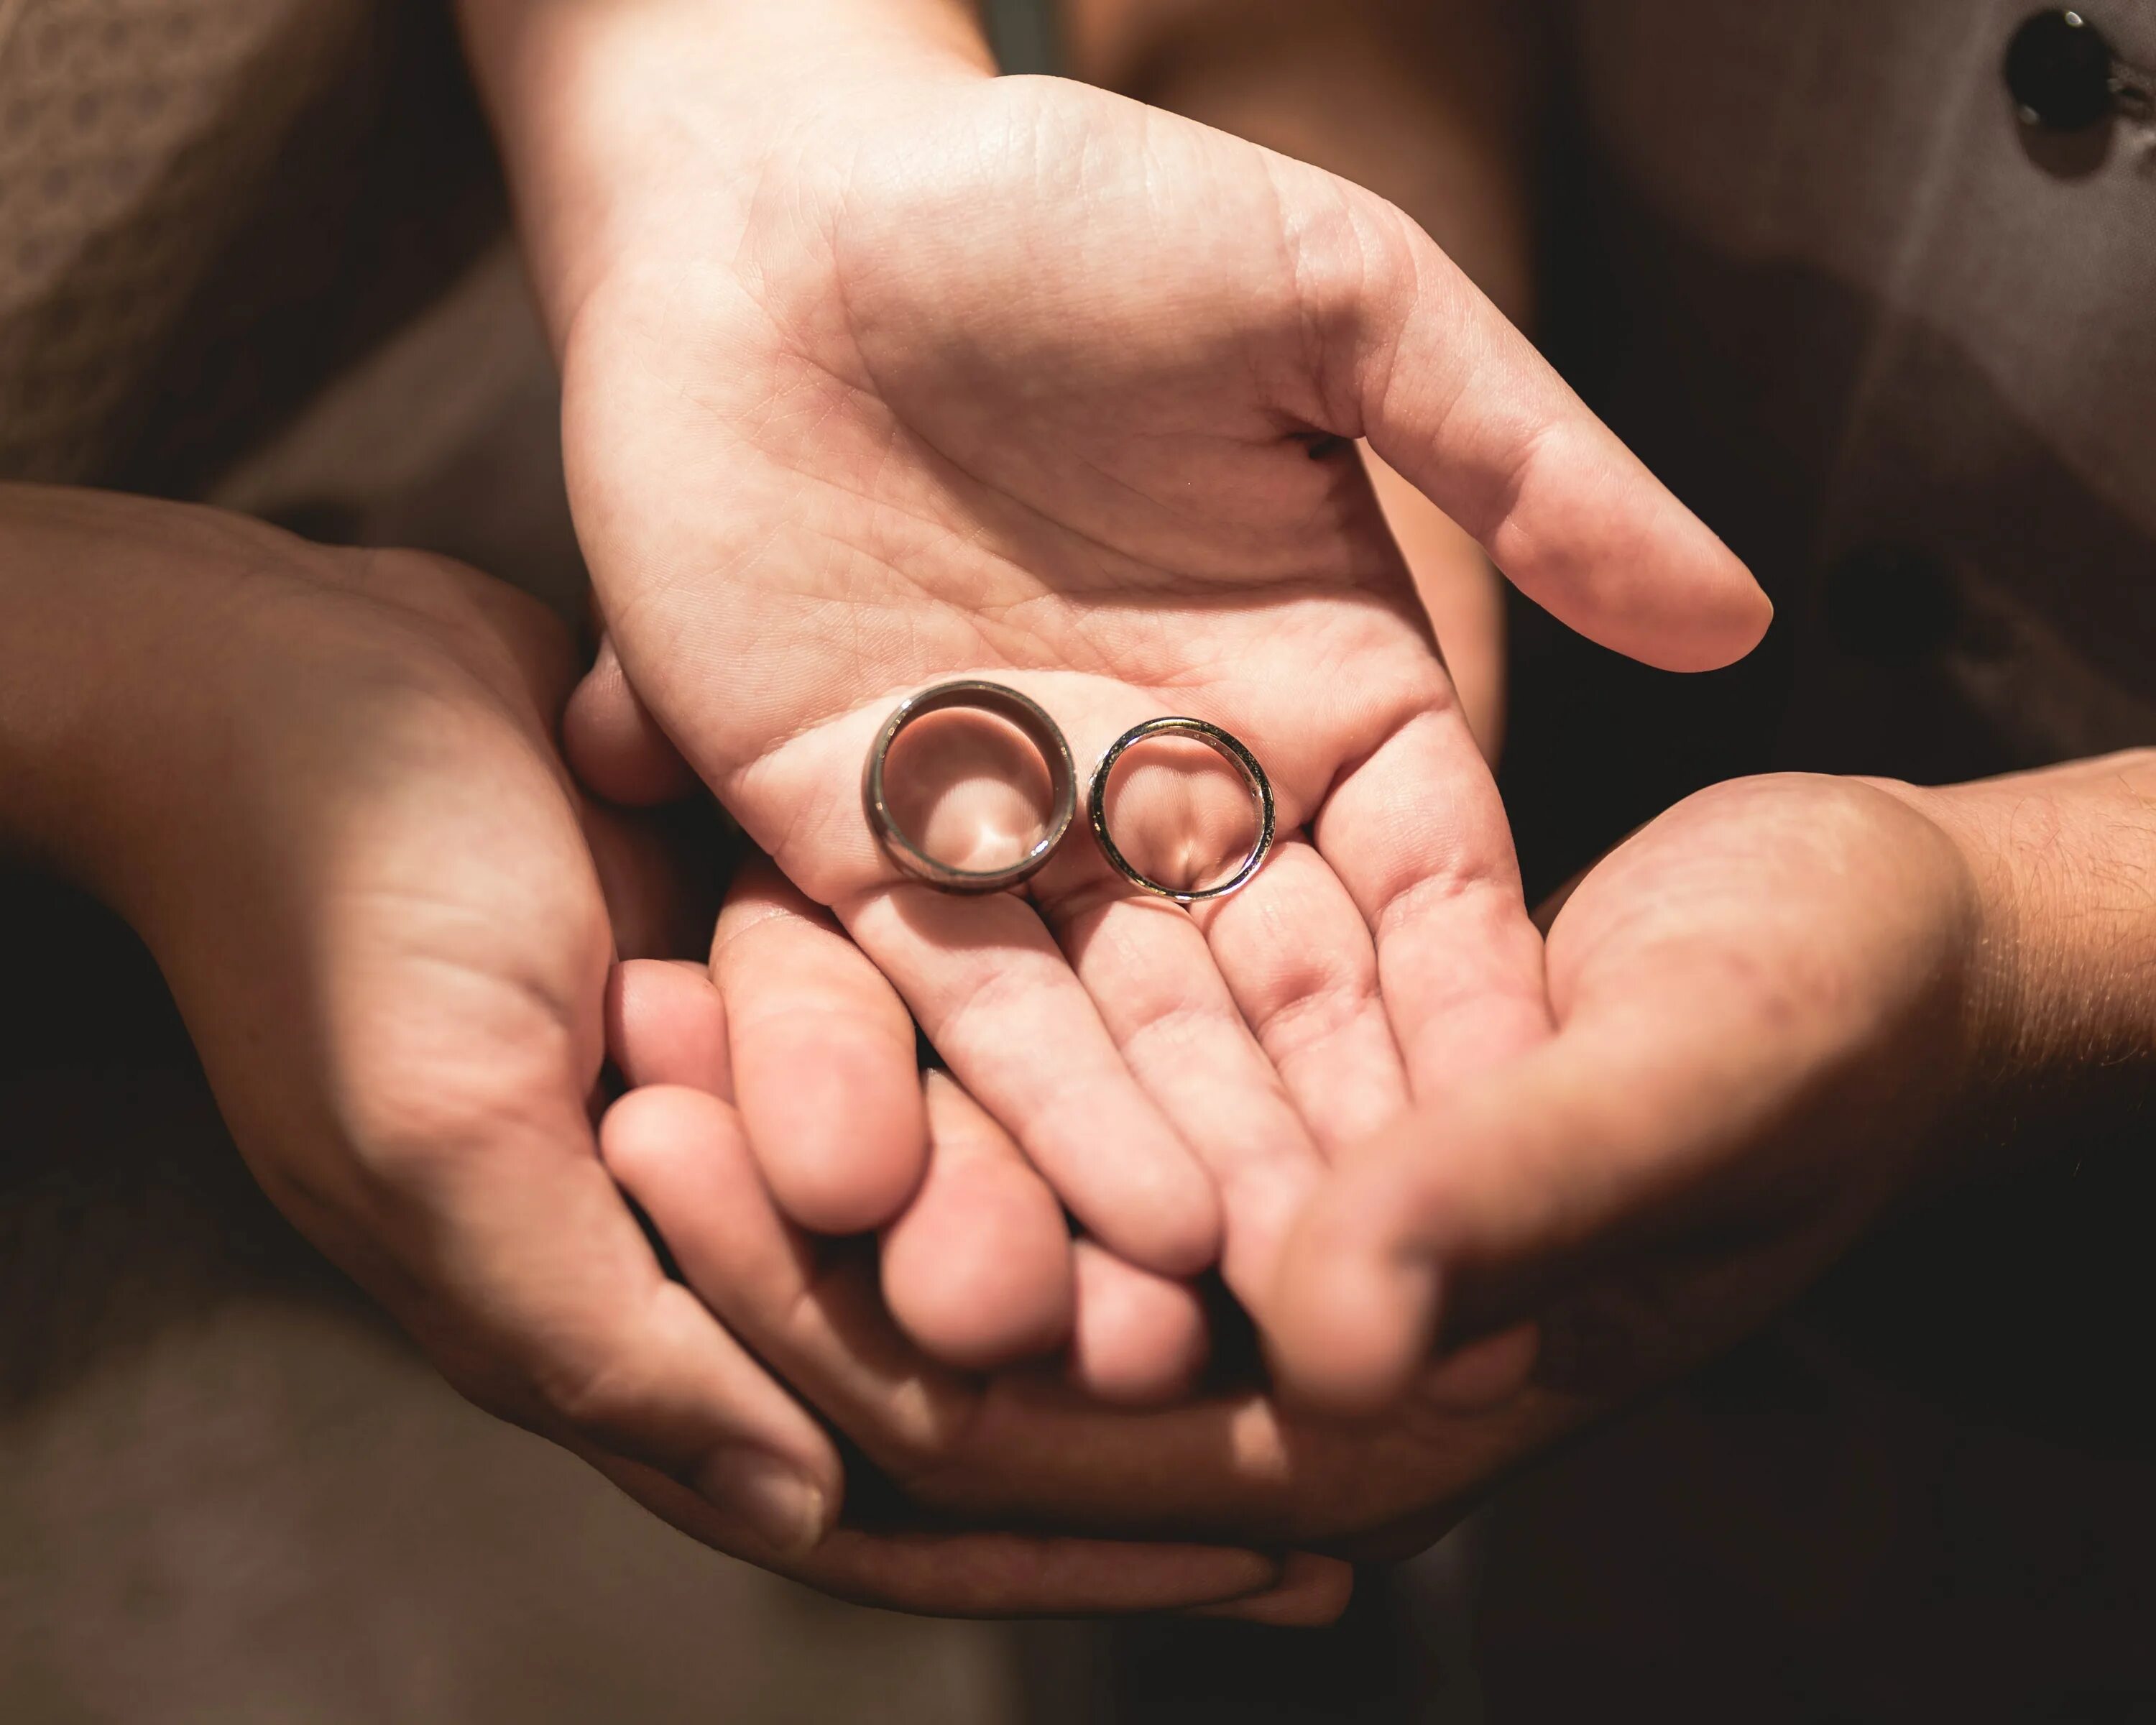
<point x="339" y="816"/>
<point x="944" y="376"/>
<point x="330" y="799"/>
<point x="1010" y="378"/>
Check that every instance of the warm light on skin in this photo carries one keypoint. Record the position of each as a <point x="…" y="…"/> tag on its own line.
<point x="1432" y="109"/>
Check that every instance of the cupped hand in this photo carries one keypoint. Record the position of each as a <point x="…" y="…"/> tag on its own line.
<point x="923" y="374"/>
<point x="1777" y="1009"/>
<point x="333" y="807"/>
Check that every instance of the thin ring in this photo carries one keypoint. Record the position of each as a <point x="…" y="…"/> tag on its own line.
<point x="1043" y="732"/>
<point x="1229" y="748"/>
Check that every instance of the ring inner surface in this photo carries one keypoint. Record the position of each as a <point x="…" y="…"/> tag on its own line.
<point x="1181" y="812"/>
<point x="968" y="789"/>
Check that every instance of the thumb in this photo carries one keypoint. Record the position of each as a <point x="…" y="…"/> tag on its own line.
<point x="1456" y="399"/>
<point x="615" y="746"/>
<point x="1512" y="1186"/>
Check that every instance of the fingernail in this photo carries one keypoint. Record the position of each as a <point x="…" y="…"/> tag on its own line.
<point x="777" y="1499"/>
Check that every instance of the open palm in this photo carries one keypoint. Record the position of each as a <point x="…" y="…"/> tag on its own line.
<point x="1014" y="378"/>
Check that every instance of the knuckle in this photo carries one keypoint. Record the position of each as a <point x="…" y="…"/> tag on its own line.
<point x="993" y="995"/>
<point x="1318" y="998"/>
<point x="1342" y="253"/>
<point x="593" y="1374"/>
<point x="400" y="1133"/>
<point x="406" y="1151"/>
<point x="1412" y="890"/>
<point x="1358" y="265"/>
<point x="597" y="1395"/>
<point x="415" y="578"/>
<point x="414" y="1122"/>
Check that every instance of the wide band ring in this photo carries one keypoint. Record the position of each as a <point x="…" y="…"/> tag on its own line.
<point x="1229" y="748"/>
<point x="1033" y="721"/>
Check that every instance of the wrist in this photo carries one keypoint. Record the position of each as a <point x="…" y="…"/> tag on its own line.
<point x="95" y="646"/>
<point x="2062" y="862"/>
<point x="627" y="128"/>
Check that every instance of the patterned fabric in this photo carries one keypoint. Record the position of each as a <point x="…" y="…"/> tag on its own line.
<point x="1900" y="347"/>
<point x="132" y="133"/>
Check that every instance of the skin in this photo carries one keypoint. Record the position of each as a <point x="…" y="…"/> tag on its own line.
<point x="323" y="787"/>
<point x="1782" y="1008"/>
<point x="1009" y="1448"/>
<point x="832" y="436"/>
<point x="351" y="931"/>
<point x="1434" y="108"/>
<point x="1719" y="1095"/>
<point x="406" y="1066"/>
<point x="1788" y="1006"/>
<point x="1391" y="104"/>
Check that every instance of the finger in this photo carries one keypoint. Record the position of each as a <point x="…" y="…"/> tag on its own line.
<point x="978" y="1269"/>
<point x="1457" y="399"/>
<point x="1487" y="1373"/>
<point x="823" y="1324"/>
<point x="992" y="1575"/>
<point x="981" y="1272"/>
<point x="1312" y="1591"/>
<point x="1139" y="1339"/>
<point x="573" y="1329"/>
<point x="820" y="1324"/>
<point x="666" y="1025"/>
<point x="1295" y="952"/>
<point x="991" y="990"/>
<point x="1152" y="978"/>
<point x="1417" y="835"/>
<point x="1463" y="597"/>
<point x="823" y="1058"/>
<point x="615" y="746"/>
<point x="1546" y="1165"/>
<point x="1000" y="1004"/>
<point x="999" y="1575"/>
<point x="1018" y="1450"/>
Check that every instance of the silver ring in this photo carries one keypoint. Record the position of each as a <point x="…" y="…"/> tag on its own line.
<point x="1229" y="748"/>
<point x="1039" y="730"/>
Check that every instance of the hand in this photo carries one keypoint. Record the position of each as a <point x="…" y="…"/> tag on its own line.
<point x="904" y="373"/>
<point x="1776" y="1006"/>
<point x="327" y="796"/>
<point x="978" y="1268"/>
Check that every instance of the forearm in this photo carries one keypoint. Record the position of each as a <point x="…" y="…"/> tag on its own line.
<point x="617" y="115"/>
<point x="2064" y="865"/>
<point x="84" y="638"/>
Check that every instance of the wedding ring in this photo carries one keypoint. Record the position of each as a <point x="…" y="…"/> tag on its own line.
<point x="1033" y="722"/>
<point x="1223" y="744"/>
